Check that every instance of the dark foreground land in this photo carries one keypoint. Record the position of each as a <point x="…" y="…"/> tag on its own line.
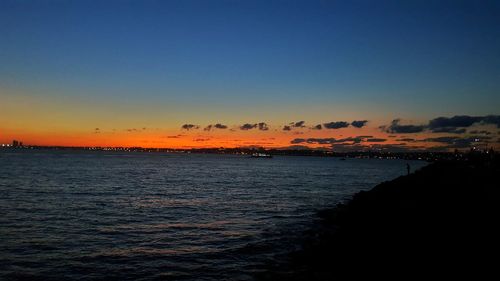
<point x="441" y="221"/>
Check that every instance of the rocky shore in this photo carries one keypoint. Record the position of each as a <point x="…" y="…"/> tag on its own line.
<point x="440" y="221"/>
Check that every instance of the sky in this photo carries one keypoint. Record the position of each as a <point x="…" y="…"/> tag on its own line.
<point x="134" y="73"/>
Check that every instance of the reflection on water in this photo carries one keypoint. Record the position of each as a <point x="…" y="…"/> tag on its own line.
<point x="90" y="215"/>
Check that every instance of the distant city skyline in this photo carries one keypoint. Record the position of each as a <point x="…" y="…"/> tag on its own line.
<point x="278" y="74"/>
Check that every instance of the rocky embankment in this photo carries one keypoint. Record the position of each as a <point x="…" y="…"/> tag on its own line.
<point x="441" y="221"/>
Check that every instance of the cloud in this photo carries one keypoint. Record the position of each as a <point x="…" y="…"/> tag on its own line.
<point x="299" y="124"/>
<point x="451" y="130"/>
<point x="483" y="132"/>
<point x="215" y="126"/>
<point x="352" y="140"/>
<point x="297" y="141"/>
<point x="455" y="121"/>
<point x="247" y="126"/>
<point x="451" y="125"/>
<point x="376" y="140"/>
<point x="314" y="141"/>
<point x="291" y="125"/>
<point x="220" y="126"/>
<point x="198" y="140"/>
<point x="396" y="127"/>
<point x="359" y="124"/>
<point x="317" y="127"/>
<point x="261" y="126"/>
<point x="440" y="124"/>
<point x="332" y="125"/>
<point x="492" y="119"/>
<point x="448" y="140"/>
<point x="336" y="125"/>
<point x="189" y="127"/>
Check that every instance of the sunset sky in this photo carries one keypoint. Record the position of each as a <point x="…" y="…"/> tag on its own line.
<point x="422" y="74"/>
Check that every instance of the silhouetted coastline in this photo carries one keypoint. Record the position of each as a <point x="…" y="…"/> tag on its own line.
<point x="425" y="155"/>
<point x="440" y="221"/>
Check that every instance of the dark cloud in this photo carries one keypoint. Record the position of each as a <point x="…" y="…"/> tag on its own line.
<point x="297" y="141"/>
<point x="322" y="140"/>
<point x="220" y="126"/>
<point x="287" y="128"/>
<point x="452" y="125"/>
<point x="454" y="122"/>
<point x="299" y="124"/>
<point x="174" y="137"/>
<point x="448" y="140"/>
<point x="439" y="124"/>
<point x="376" y="140"/>
<point x="352" y="140"/>
<point x="215" y="126"/>
<point x="450" y="130"/>
<point x="247" y="126"/>
<point x="336" y="125"/>
<point x="359" y="124"/>
<point x="198" y="140"/>
<point x="492" y="119"/>
<point x="189" y="127"/>
<point x="483" y="132"/>
<point x="396" y="127"/>
<point x="314" y="141"/>
<point x="317" y="127"/>
<point x="261" y="126"/>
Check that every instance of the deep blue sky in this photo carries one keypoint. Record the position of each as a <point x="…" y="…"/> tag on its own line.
<point x="422" y="58"/>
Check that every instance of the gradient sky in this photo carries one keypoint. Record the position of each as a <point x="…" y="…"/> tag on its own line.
<point x="131" y="73"/>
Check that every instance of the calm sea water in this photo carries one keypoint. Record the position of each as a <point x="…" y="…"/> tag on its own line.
<point x="145" y="216"/>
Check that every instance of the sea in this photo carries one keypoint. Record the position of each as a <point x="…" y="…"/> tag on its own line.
<point x="97" y="215"/>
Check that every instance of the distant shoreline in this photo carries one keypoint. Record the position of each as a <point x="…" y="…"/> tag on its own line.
<point x="442" y="219"/>
<point x="405" y="155"/>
